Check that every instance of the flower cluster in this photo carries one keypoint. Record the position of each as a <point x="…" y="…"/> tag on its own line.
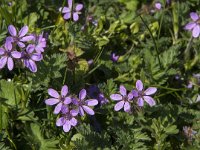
<point x="70" y="11"/>
<point x="69" y="106"/>
<point x="138" y="95"/>
<point x="23" y="47"/>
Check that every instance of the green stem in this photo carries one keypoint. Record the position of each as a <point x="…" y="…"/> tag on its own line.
<point x="187" y="50"/>
<point x="154" y="41"/>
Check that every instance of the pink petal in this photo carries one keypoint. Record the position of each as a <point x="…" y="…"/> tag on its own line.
<point x="122" y="90"/>
<point x="196" y="31"/>
<point x="82" y="94"/>
<point x="67" y="126"/>
<point x="150" y="91"/>
<point x="140" y="102"/>
<point x="190" y="26"/>
<point x="10" y="63"/>
<point x="64" y="9"/>
<point x="79" y="7"/>
<point x="127" y="107"/>
<point x="2" y="51"/>
<point x="194" y="16"/>
<point x="67" y="100"/>
<point x="91" y="102"/>
<point x="12" y="30"/>
<point x="16" y="54"/>
<point x="32" y="66"/>
<point x="23" y="31"/>
<point x="74" y="112"/>
<point x="81" y="111"/>
<point x="64" y="90"/>
<point x="88" y="110"/>
<point x="67" y="16"/>
<point x="20" y="44"/>
<point x="116" y="97"/>
<point x="119" y="106"/>
<point x="58" y="108"/>
<point x="75" y="16"/>
<point x="3" y="61"/>
<point x="27" y="38"/>
<point x="73" y="122"/>
<point x="139" y="85"/>
<point x="130" y="96"/>
<point x="8" y="46"/>
<point x="51" y="101"/>
<point x="53" y="93"/>
<point x="70" y="4"/>
<point x="60" y="121"/>
<point x="149" y="100"/>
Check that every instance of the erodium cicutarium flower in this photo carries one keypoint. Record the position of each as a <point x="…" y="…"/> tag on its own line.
<point x="143" y="95"/>
<point x="83" y="105"/>
<point x="194" y="25"/>
<point x="19" y="37"/>
<point x="7" y="54"/>
<point x="70" y="12"/>
<point x="59" y="99"/>
<point x="123" y="98"/>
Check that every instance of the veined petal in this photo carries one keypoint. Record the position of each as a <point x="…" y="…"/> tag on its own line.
<point x="51" y="101"/>
<point x="8" y="46"/>
<point x="127" y="107"/>
<point x="150" y="91"/>
<point x="190" y="26"/>
<point x="60" y="121"/>
<point x="73" y="122"/>
<point x="16" y="54"/>
<point x="67" y="16"/>
<point x="196" y="31"/>
<point x="82" y="94"/>
<point x="67" y="100"/>
<point x="75" y="16"/>
<point x="64" y="9"/>
<point x="27" y="38"/>
<point x="10" y="63"/>
<point x="2" y="51"/>
<point x="130" y="96"/>
<point x="74" y="112"/>
<point x="53" y="93"/>
<point x="149" y="100"/>
<point x="67" y="126"/>
<point x="58" y="108"/>
<point x="119" y="106"/>
<point x="139" y="85"/>
<point x="70" y="4"/>
<point x="64" y="90"/>
<point x="32" y="66"/>
<point x="194" y="16"/>
<point x="140" y="102"/>
<point x="64" y="109"/>
<point x="88" y="110"/>
<point x="37" y="57"/>
<point x="79" y="7"/>
<point x="116" y="97"/>
<point x="30" y="48"/>
<point x="20" y="44"/>
<point x="3" y="61"/>
<point x="122" y="90"/>
<point x="81" y="111"/>
<point x="23" y="31"/>
<point x="12" y="30"/>
<point x="91" y="102"/>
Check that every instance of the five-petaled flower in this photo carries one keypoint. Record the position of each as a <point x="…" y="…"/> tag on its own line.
<point x="70" y="12"/>
<point x="7" y="54"/>
<point x="60" y="99"/>
<point x="144" y="95"/>
<point x="67" y="120"/>
<point x="19" y="38"/>
<point x="194" y="26"/>
<point x="83" y="104"/>
<point x="123" y="98"/>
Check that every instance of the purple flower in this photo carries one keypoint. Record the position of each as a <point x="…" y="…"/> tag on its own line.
<point x="83" y="104"/>
<point x="101" y="98"/>
<point x="123" y="98"/>
<point x="7" y="55"/>
<point x="194" y="25"/>
<point x="144" y="95"/>
<point x="189" y="132"/>
<point x="40" y="43"/>
<point x="158" y="6"/>
<point x="69" y="12"/>
<point x="67" y="120"/>
<point x="29" y="57"/>
<point x="114" y="57"/>
<point x="20" y="37"/>
<point x="60" y="100"/>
